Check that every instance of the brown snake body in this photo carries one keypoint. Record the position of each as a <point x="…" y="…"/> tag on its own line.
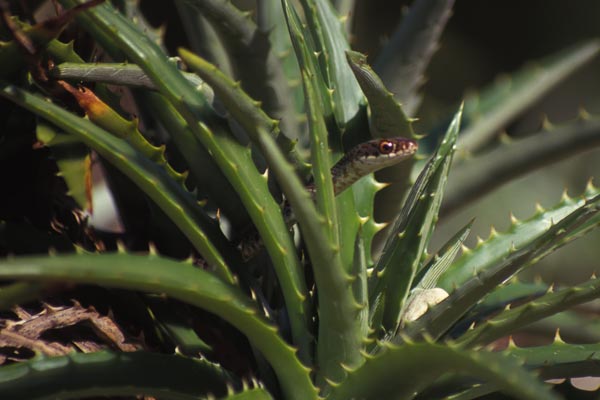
<point x="361" y="160"/>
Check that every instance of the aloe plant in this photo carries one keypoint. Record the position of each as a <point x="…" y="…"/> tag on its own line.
<point x="201" y="155"/>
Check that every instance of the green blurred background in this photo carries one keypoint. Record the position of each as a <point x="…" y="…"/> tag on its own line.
<point x="483" y="41"/>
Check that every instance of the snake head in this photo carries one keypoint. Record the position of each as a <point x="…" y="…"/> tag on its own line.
<point x="369" y="157"/>
<point x="380" y="153"/>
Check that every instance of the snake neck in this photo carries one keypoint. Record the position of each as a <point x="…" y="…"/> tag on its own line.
<point x="345" y="172"/>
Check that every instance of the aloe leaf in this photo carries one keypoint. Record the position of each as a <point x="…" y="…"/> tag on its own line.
<point x="376" y="285"/>
<point x="513" y="291"/>
<point x="233" y="158"/>
<point x="345" y="9"/>
<point x="250" y="394"/>
<point x="331" y="44"/>
<point x="364" y="191"/>
<point x="500" y="103"/>
<point x="439" y="319"/>
<point x="133" y="11"/>
<point x="180" y="281"/>
<point x="106" y="373"/>
<point x="407" y="244"/>
<point x="339" y="333"/>
<point x="12" y="58"/>
<point x="116" y="74"/>
<point x="387" y="115"/>
<point x="241" y="106"/>
<point x="387" y="120"/>
<point x="404" y="59"/>
<point x="19" y="293"/>
<point x="501" y="244"/>
<point x="302" y="41"/>
<point x="72" y="159"/>
<point x="510" y="293"/>
<point x="258" y="125"/>
<point x="203" y="37"/>
<point x="205" y="173"/>
<point x="475" y="392"/>
<point x="271" y="19"/>
<point x="104" y="116"/>
<point x="211" y="183"/>
<point x="559" y="359"/>
<point x="470" y="179"/>
<point x="360" y="287"/>
<point x="420" y="364"/>
<point x="572" y="324"/>
<point x="510" y="320"/>
<point x="258" y="67"/>
<point x="306" y="54"/>
<point x="148" y="176"/>
<point x="182" y="335"/>
<point x="428" y="275"/>
<point x="321" y="164"/>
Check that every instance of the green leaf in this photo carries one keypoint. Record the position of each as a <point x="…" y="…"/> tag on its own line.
<point x="364" y="191"/>
<point x="400" y="372"/>
<point x="270" y="18"/>
<point x="439" y="319"/>
<point x="331" y="44"/>
<point x="518" y="317"/>
<point x="210" y="181"/>
<point x="232" y="157"/>
<point x="306" y="54"/>
<point x="12" y="56"/>
<point x="19" y="293"/>
<point x="321" y="110"/>
<point x="402" y="254"/>
<point x="242" y="107"/>
<point x="174" y="326"/>
<point x="387" y="120"/>
<point x="500" y="103"/>
<point x="340" y="334"/>
<point x="404" y="59"/>
<point x="116" y="74"/>
<point x="321" y="163"/>
<point x="258" y="67"/>
<point x="428" y="275"/>
<point x="203" y="37"/>
<point x="180" y="281"/>
<point x="72" y="159"/>
<point x="105" y="373"/>
<point x="387" y="116"/>
<point x="151" y="178"/>
<point x="258" y="125"/>
<point x="559" y="359"/>
<point x="520" y="234"/>
<point x="250" y="394"/>
<point x="346" y="10"/>
<point x="339" y="331"/>
<point x="360" y="287"/>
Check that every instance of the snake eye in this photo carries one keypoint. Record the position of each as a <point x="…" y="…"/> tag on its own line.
<point x="386" y="147"/>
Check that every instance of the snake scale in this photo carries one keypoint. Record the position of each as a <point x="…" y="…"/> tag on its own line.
<point x="361" y="160"/>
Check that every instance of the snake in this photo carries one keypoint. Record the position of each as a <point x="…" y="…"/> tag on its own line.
<point x="363" y="159"/>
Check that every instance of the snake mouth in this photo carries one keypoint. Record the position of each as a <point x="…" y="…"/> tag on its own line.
<point x="406" y="147"/>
